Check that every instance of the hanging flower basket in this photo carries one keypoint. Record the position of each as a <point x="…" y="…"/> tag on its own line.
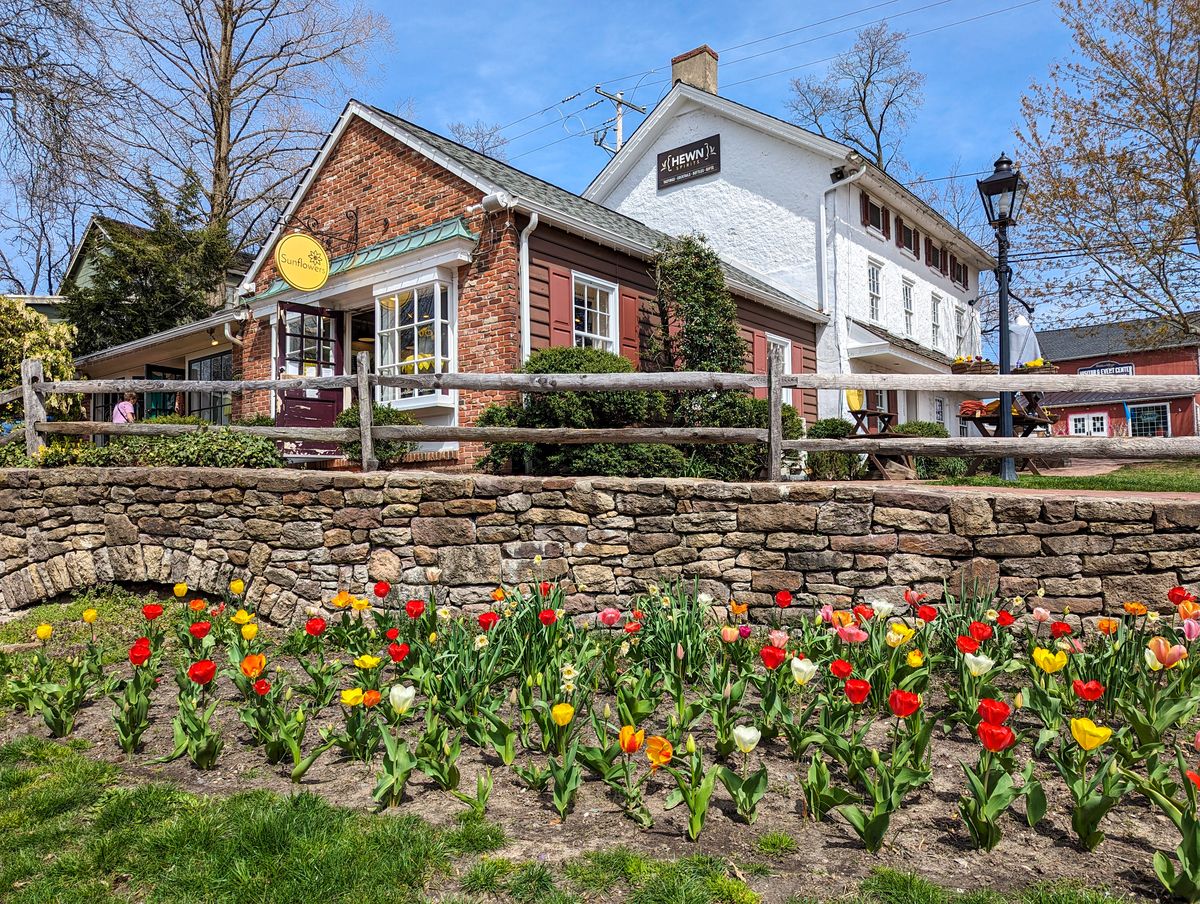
<point x="974" y="366"/>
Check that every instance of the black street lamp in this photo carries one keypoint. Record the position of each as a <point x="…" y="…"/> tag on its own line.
<point x="1003" y="192"/>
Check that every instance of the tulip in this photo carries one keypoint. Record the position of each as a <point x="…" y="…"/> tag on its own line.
<point x="488" y="620"/>
<point x="139" y="653"/>
<point x="1004" y="618"/>
<point x="1049" y="662"/>
<point x="912" y="598"/>
<point x="841" y="617"/>
<point x="89" y="616"/>
<point x="341" y="600"/>
<point x="841" y="669"/>
<point x="200" y="629"/>
<point x="915" y="659"/>
<point x="1041" y="615"/>
<point x="241" y="617"/>
<point x="966" y="644"/>
<point x="1091" y="691"/>
<point x="630" y="739"/>
<point x="562" y="713"/>
<point x="632" y="627"/>
<point x="926" y="613"/>
<point x="1196" y="742"/>
<point x="783" y="599"/>
<point x="826" y="613"/>
<point x="151" y="611"/>
<point x="803" y="670"/>
<point x="738" y="608"/>
<point x="730" y="634"/>
<point x="414" y="608"/>
<point x="851" y="634"/>
<point x="690" y="744"/>
<point x="197" y="605"/>
<point x="993" y="712"/>
<point x="659" y="751"/>
<point x="772" y="656"/>
<point x="1088" y="734"/>
<point x="253" y="665"/>
<point x="382" y="589"/>
<point x="367" y="661"/>
<point x="352" y="696"/>
<point x="1135" y="609"/>
<point x="249" y="631"/>
<point x="609" y="617"/>
<point x="882" y="608"/>
<point x="1059" y="629"/>
<point x="1166" y="655"/>
<point x="262" y="687"/>
<point x="898" y="633"/>
<point x="1179" y="595"/>
<point x="903" y="703"/>
<point x="978" y="665"/>
<point x="1191" y="629"/>
<point x="237" y="586"/>
<point x="777" y="637"/>
<point x="863" y="613"/>
<point x="481" y="641"/>
<point x="746" y="737"/>
<point x="1108" y="626"/>
<point x="360" y="604"/>
<point x="180" y="590"/>
<point x="995" y="738"/>
<point x="314" y="627"/>
<point x="980" y="631"/>
<point x="545" y="587"/>
<point x="547" y="617"/>
<point x="857" y="690"/>
<point x="202" y="672"/>
<point x="401" y="698"/>
<point x="371" y="698"/>
<point x="433" y="575"/>
<point x="43" y="632"/>
<point x="743" y="631"/>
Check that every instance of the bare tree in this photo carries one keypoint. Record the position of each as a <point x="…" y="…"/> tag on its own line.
<point x="866" y="99"/>
<point x="481" y="136"/>
<point x="227" y="89"/>
<point x="1112" y="139"/>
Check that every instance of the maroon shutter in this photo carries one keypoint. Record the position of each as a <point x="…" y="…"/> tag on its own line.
<point x="916" y="245"/>
<point x="864" y="204"/>
<point x="899" y="231"/>
<point x="885" y="219"/>
<point x="628" y="322"/>
<point x="760" y="360"/>
<point x="944" y="260"/>
<point x="928" y="251"/>
<point x="562" y="307"/>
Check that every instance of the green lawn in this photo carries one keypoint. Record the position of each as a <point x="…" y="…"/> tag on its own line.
<point x="1141" y="477"/>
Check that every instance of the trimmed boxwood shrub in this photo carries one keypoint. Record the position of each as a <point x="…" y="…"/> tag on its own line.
<point x="389" y="452"/>
<point x="832" y="465"/>
<point x="929" y="468"/>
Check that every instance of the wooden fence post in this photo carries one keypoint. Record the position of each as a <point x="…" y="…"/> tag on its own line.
<point x="366" y="412"/>
<point x="775" y="412"/>
<point x="35" y="409"/>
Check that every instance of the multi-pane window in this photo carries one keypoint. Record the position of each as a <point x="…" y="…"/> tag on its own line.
<point x="939" y="410"/>
<point x="213" y="407"/>
<point x="906" y="295"/>
<point x="960" y="331"/>
<point x="1089" y="425"/>
<point x="595" y="314"/>
<point x="1149" y="420"/>
<point x="874" y="293"/>
<point x="785" y="347"/>
<point x="935" y="321"/>
<point x="414" y="335"/>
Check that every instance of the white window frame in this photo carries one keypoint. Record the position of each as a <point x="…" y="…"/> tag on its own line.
<point x="1088" y="418"/>
<point x="871" y="227"/>
<point x="939" y="410"/>
<point x="445" y="283"/>
<point x="960" y="330"/>
<point x="875" y="291"/>
<point x="1165" y="406"/>
<point x="906" y="294"/>
<point x="935" y="320"/>
<point x="614" y="314"/>
<point x="786" y="345"/>
<point x="915" y="251"/>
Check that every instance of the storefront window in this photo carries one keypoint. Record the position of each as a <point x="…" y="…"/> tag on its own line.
<point x="414" y="335"/>
<point x="213" y="407"/>
<point x="1149" y="420"/>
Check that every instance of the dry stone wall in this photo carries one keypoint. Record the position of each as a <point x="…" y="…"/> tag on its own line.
<point x="299" y="536"/>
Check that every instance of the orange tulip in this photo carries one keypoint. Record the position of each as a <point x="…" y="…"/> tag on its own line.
<point x="842" y="618"/>
<point x="197" y="605"/>
<point x="371" y="697"/>
<point x="1136" y="608"/>
<point x="1189" y="609"/>
<point x="1108" y="626"/>
<point x="631" y="739"/>
<point x="738" y="608"/>
<point x="658" y="751"/>
<point x="253" y="665"/>
<point x="1168" y="656"/>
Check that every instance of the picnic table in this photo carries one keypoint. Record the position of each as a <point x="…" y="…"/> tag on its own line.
<point x="885" y="419"/>
<point x="1028" y="416"/>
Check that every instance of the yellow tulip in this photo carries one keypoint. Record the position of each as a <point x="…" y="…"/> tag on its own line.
<point x="43" y="632"/>
<point x="342" y="600"/>
<point x="562" y="713"/>
<point x="249" y="631"/>
<point x="90" y="616"/>
<point x="898" y="633"/>
<point x="237" y="586"/>
<point x="360" y="604"/>
<point x="241" y="617"/>
<point x="367" y="661"/>
<point x="181" y="590"/>
<point x="352" y="696"/>
<point x="915" y="659"/>
<point x="1049" y="662"/>
<point x="1088" y="734"/>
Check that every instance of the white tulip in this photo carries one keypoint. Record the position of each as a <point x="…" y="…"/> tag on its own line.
<point x="978" y="666"/>
<point x="882" y="609"/>
<point x="401" y="698"/>
<point x="803" y="670"/>
<point x="746" y="737"/>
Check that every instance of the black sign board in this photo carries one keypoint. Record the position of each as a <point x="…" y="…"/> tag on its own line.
<point x="1108" y="369"/>
<point x="682" y="164"/>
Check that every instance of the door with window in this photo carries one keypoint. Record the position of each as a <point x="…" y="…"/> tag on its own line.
<point x="309" y="345"/>
<point x="1089" y="425"/>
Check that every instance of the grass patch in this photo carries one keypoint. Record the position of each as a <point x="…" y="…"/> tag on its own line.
<point x="776" y="844"/>
<point x="1138" y="477"/>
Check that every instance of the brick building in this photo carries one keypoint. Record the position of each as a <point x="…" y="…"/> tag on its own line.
<point x="442" y="260"/>
<point x="1147" y="346"/>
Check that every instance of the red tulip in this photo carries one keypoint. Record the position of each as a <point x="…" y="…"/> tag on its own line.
<point x="967" y="644"/>
<point x="547" y="617"/>
<point x="632" y="627"/>
<point x="203" y="671"/>
<point x="925" y="613"/>
<point x="913" y="598"/>
<point x="152" y="611"/>
<point x="262" y="687"/>
<point x="1059" y="629"/>
<point x="637" y="615"/>
<point x="382" y="589"/>
<point x="397" y="651"/>
<point x="864" y="613"/>
<point x="903" y="703"/>
<point x="993" y="712"/>
<point x="841" y="669"/>
<point x="1193" y="778"/>
<point x="200" y="629"/>
<point x="1004" y="618"/>
<point x="392" y="633"/>
<point x="995" y="738"/>
<point x="783" y="599"/>
<point x="1091" y="691"/>
<point x="980" y="631"/>
<point x="772" y="657"/>
<point x="856" y="690"/>
<point x="315" y="627"/>
<point x="488" y="620"/>
<point x="139" y="652"/>
<point x="545" y="588"/>
<point x="1179" y="595"/>
<point x="414" y="608"/>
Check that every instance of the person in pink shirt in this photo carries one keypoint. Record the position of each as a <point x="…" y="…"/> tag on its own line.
<point x="125" y="411"/>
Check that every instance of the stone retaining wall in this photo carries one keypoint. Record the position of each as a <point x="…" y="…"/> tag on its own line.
<point x="298" y="537"/>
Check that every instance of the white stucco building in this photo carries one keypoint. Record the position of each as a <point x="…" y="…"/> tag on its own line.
<point x="812" y="218"/>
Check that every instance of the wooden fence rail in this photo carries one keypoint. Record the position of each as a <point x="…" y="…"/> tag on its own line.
<point x="34" y="390"/>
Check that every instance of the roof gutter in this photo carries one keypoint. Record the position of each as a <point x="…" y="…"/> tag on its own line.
<point x="524" y="277"/>
<point x="822" y="254"/>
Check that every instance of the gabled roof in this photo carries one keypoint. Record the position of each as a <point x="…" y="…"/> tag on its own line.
<point x="552" y="204"/>
<point x="681" y="94"/>
<point x="1117" y="338"/>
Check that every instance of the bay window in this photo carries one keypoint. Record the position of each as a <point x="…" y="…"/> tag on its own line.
<point x="414" y="334"/>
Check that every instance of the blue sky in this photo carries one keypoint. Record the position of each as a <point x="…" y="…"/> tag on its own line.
<point x="503" y="62"/>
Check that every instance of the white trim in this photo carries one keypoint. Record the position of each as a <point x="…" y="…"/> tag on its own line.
<point x="614" y="313"/>
<point x="226" y="315"/>
<point x="1087" y="416"/>
<point x="210" y="352"/>
<point x="1164" y="405"/>
<point x="772" y="338"/>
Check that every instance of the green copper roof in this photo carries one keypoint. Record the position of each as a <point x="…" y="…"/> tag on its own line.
<point x="411" y="241"/>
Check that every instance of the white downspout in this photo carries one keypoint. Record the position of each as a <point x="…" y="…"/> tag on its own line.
<point x="837" y="320"/>
<point x="524" y="282"/>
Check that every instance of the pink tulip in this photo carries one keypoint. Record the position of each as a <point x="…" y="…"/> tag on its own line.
<point x="1191" y="629"/>
<point x="730" y="634"/>
<point x="1041" y="614"/>
<point x="609" y="616"/>
<point x="1196" y="742"/>
<point x="777" y="638"/>
<point x="743" y="631"/>
<point x="827" y="614"/>
<point x="851" y="634"/>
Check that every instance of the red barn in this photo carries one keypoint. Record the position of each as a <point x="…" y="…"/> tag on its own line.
<point x="1134" y="347"/>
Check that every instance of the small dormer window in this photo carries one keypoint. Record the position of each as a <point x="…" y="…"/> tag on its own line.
<point x="875" y="217"/>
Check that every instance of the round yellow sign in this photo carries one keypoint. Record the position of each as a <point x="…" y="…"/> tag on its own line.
<point x="302" y="262"/>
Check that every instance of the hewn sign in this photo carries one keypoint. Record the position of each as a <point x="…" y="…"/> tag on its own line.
<point x="682" y="164"/>
<point x="1107" y="369"/>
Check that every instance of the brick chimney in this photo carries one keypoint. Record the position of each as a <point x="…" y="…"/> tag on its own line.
<point x="697" y="68"/>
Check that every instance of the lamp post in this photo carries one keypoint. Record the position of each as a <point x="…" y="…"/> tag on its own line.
<point x="1002" y="193"/>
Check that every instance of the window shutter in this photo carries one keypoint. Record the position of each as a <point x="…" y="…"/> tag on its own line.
<point x="864" y="205"/>
<point x="916" y="245"/>
<point x="944" y="260"/>
<point x="899" y="231"/>
<point x="886" y="222"/>
<point x="928" y="251"/>
<point x="627" y="320"/>
<point x="562" y="307"/>
<point x="954" y="268"/>
<point x="760" y="359"/>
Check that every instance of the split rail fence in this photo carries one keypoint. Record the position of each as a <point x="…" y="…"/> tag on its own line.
<point x="34" y="390"/>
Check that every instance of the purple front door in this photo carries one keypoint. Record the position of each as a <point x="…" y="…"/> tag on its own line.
<point x="310" y="345"/>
